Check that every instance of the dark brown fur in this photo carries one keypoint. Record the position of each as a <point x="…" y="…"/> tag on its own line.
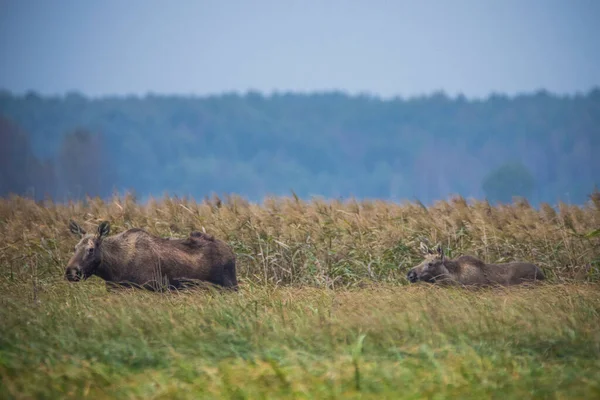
<point x="470" y="271"/>
<point x="137" y="258"/>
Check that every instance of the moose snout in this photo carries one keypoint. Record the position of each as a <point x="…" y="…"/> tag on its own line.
<point x="73" y="274"/>
<point x="412" y="276"/>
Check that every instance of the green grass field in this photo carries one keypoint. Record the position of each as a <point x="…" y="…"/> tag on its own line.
<point x="391" y="341"/>
<point x="324" y="310"/>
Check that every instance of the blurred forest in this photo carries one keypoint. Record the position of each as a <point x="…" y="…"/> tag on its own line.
<point x="540" y="146"/>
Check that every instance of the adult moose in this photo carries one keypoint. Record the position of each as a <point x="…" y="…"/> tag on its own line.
<point x="470" y="271"/>
<point x="135" y="258"/>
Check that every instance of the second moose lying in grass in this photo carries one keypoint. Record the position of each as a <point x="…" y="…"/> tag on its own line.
<point x="470" y="271"/>
<point x="136" y="258"/>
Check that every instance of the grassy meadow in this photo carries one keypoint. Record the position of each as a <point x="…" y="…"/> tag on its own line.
<point x="323" y="311"/>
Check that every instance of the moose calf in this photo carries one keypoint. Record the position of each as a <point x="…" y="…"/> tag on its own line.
<point x="470" y="271"/>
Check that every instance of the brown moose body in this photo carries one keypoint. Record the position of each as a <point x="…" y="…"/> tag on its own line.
<point x="137" y="258"/>
<point x="470" y="271"/>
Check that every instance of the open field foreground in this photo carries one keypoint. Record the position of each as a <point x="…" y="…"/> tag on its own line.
<point x="323" y="311"/>
<point x="390" y="341"/>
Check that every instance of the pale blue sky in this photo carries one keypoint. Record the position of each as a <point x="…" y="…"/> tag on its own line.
<point x="386" y="48"/>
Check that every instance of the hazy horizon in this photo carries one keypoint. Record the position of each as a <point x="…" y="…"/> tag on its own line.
<point x="200" y="48"/>
<point x="242" y="93"/>
<point x="540" y="147"/>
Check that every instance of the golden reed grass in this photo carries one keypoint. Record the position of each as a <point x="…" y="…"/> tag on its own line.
<point x="286" y="240"/>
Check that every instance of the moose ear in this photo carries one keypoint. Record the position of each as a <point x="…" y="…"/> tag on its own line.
<point x="103" y="229"/>
<point x="75" y="228"/>
<point x="424" y="249"/>
<point x="440" y="251"/>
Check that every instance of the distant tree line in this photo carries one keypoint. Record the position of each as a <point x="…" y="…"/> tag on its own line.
<point x="77" y="170"/>
<point x="540" y="146"/>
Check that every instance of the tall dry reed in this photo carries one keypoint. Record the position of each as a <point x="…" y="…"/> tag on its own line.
<point x="324" y="243"/>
